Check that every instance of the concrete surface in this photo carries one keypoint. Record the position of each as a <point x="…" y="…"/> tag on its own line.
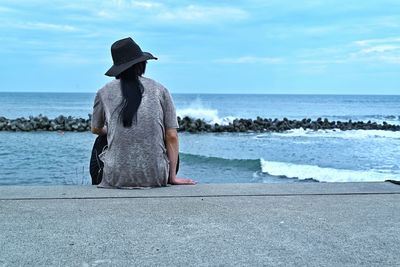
<point x="319" y="224"/>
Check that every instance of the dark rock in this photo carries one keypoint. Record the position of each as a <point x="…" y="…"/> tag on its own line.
<point x="60" y="119"/>
<point x="62" y="123"/>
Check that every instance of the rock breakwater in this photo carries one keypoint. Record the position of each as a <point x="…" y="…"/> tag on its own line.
<point x="43" y="123"/>
<point x="276" y="125"/>
<point x="186" y="124"/>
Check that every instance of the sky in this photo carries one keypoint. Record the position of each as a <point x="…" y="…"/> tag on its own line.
<point x="239" y="47"/>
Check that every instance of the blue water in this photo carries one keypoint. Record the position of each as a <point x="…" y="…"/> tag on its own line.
<point x="337" y="107"/>
<point x="293" y="156"/>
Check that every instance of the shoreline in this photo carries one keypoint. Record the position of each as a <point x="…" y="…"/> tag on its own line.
<point x="186" y="124"/>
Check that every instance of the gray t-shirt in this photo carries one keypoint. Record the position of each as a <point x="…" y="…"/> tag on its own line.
<point x="136" y="156"/>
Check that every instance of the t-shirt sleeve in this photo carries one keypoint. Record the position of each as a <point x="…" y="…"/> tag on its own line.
<point x="98" y="117"/>
<point x="170" y="119"/>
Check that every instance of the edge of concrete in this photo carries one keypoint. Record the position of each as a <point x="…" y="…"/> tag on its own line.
<point x="199" y="190"/>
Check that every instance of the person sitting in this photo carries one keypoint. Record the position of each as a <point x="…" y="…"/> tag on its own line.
<point x="138" y="116"/>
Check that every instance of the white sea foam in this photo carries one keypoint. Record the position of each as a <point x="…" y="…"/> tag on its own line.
<point x="196" y="110"/>
<point x="302" y="172"/>
<point x="352" y="134"/>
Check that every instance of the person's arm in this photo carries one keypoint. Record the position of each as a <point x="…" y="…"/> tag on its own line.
<point x="171" y="138"/>
<point x="98" y="117"/>
<point x="99" y="131"/>
<point x="172" y="144"/>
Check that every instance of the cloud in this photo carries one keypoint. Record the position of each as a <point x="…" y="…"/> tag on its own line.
<point x="115" y="6"/>
<point x="386" y="50"/>
<point x="46" y="27"/>
<point x="323" y="61"/>
<point x="71" y="58"/>
<point x="128" y="3"/>
<point x="377" y="41"/>
<point x="251" y="60"/>
<point x="201" y="14"/>
<point x="376" y="52"/>
<point x="146" y="4"/>
<point x="390" y="59"/>
<point x="66" y="58"/>
<point x="314" y="69"/>
<point x="152" y="12"/>
<point x="380" y="49"/>
<point x="107" y="14"/>
<point x="4" y="9"/>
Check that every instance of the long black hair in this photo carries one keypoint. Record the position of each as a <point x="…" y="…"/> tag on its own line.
<point x="131" y="89"/>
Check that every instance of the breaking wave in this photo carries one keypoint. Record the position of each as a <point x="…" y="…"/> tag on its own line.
<point x="391" y="119"/>
<point x="303" y="172"/>
<point x="196" y="110"/>
<point x="336" y="133"/>
<point x="285" y="170"/>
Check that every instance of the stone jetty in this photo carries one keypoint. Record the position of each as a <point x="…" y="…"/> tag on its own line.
<point x="275" y="125"/>
<point x="186" y="124"/>
<point x="43" y="123"/>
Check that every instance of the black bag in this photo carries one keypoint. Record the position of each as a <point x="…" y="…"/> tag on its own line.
<point x="96" y="165"/>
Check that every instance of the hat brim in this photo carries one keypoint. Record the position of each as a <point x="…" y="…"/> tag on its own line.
<point x="116" y="70"/>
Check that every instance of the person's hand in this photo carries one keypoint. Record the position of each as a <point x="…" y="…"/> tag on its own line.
<point x="182" y="181"/>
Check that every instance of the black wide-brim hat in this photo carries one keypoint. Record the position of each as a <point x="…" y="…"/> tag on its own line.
<point x="126" y="53"/>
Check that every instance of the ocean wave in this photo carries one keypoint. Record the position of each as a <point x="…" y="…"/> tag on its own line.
<point x="249" y="164"/>
<point x="379" y="118"/>
<point x="196" y="110"/>
<point x="367" y="116"/>
<point x="303" y="172"/>
<point x="336" y="133"/>
<point x="211" y="116"/>
<point x="285" y="170"/>
<point x="394" y="118"/>
<point x="208" y="115"/>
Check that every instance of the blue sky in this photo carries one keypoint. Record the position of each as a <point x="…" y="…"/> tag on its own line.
<point x="254" y="46"/>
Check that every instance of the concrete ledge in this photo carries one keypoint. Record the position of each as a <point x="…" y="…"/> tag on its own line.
<point x="200" y="190"/>
<point x="321" y="224"/>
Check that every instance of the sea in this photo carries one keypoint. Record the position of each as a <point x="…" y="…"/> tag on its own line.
<point x="295" y="156"/>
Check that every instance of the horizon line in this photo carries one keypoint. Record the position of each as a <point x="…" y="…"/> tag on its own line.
<point x="203" y="93"/>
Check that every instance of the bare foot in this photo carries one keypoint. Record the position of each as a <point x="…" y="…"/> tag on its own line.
<point x="183" y="181"/>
